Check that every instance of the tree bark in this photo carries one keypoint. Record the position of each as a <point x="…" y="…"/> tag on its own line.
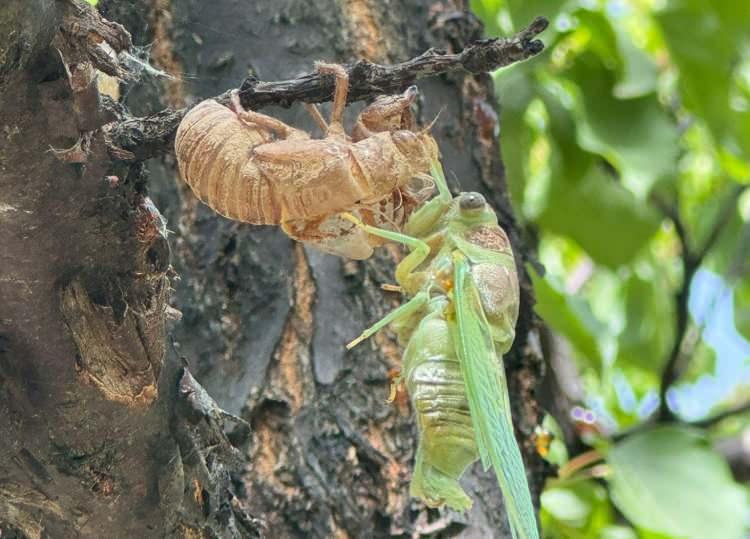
<point x="246" y="417"/>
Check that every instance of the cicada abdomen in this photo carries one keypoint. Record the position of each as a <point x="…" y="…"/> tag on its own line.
<point x="433" y="378"/>
<point x="212" y="147"/>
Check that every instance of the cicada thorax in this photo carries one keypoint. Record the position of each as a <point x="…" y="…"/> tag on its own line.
<point x="493" y="270"/>
<point x="446" y="444"/>
<point x="499" y="294"/>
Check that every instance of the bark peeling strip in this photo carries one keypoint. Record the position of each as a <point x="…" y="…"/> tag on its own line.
<point x="108" y="359"/>
<point x="21" y="508"/>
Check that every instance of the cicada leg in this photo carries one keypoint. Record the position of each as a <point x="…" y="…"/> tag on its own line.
<point x="388" y="287"/>
<point x="423" y="221"/>
<point x="407" y="309"/>
<point x="436" y="169"/>
<point x="317" y="117"/>
<point x="419" y="249"/>
<point x="394" y="376"/>
<point x="386" y="113"/>
<point x="340" y="93"/>
<point x="252" y="118"/>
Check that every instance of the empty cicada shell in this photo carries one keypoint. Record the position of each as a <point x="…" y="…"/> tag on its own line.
<point x="254" y="168"/>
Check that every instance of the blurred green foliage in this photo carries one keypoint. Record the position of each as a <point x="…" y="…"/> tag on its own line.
<point x="670" y="480"/>
<point x="636" y="115"/>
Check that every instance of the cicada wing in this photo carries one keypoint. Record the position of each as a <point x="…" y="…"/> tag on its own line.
<point x="487" y="394"/>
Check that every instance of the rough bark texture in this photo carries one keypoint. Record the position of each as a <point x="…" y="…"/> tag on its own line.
<point x="116" y="422"/>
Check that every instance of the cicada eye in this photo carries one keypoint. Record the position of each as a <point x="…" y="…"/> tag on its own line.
<point x="471" y="202"/>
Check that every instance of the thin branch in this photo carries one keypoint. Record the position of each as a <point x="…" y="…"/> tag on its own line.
<point x="721" y="416"/>
<point x="737" y="453"/>
<point x="148" y="136"/>
<point x="679" y="357"/>
<point x="725" y="214"/>
<point x="579" y="462"/>
<point x="701" y="423"/>
<point x="689" y="267"/>
<point x="368" y="80"/>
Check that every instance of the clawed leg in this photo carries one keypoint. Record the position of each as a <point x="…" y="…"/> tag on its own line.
<point x="419" y="250"/>
<point x="394" y="376"/>
<point x="387" y="113"/>
<point x="391" y="287"/>
<point x="339" y="95"/>
<point x="428" y="216"/>
<point x="316" y="116"/>
<point x="407" y="309"/>
<point x="252" y="118"/>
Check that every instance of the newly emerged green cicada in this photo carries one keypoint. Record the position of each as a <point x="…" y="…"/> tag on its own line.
<point x="461" y="317"/>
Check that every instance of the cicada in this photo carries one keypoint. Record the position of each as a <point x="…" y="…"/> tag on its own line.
<point x="462" y="281"/>
<point x="256" y="169"/>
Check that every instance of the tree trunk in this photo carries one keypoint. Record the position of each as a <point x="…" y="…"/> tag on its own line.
<point x="105" y="430"/>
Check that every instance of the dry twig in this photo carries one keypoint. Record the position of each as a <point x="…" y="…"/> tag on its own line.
<point x="154" y="134"/>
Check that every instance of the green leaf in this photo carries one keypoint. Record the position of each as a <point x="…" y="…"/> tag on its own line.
<point x="522" y="12"/>
<point x="564" y="505"/>
<point x="583" y="202"/>
<point x="728" y="254"/>
<point x="703" y="190"/>
<point x="649" y="315"/>
<point x="638" y="76"/>
<point x="634" y="135"/>
<point x="617" y="532"/>
<point x="706" y="56"/>
<point x="702" y="362"/>
<point x="575" y="510"/>
<point x="601" y="215"/>
<point x="515" y="90"/>
<point x="633" y="69"/>
<point x="569" y="161"/>
<point x="600" y="36"/>
<point x="742" y="308"/>
<point x="669" y="480"/>
<point x="570" y="317"/>
<point x="487" y="11"/>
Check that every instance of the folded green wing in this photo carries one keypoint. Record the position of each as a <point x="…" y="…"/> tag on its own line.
<point x="487" y="394"/>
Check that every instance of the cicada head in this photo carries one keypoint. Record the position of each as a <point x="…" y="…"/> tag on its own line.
<point x="471" y="210"/>
<point x="418" y="148"/>
<point x="471" y="202"/>
<point x="474" y="220"/>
